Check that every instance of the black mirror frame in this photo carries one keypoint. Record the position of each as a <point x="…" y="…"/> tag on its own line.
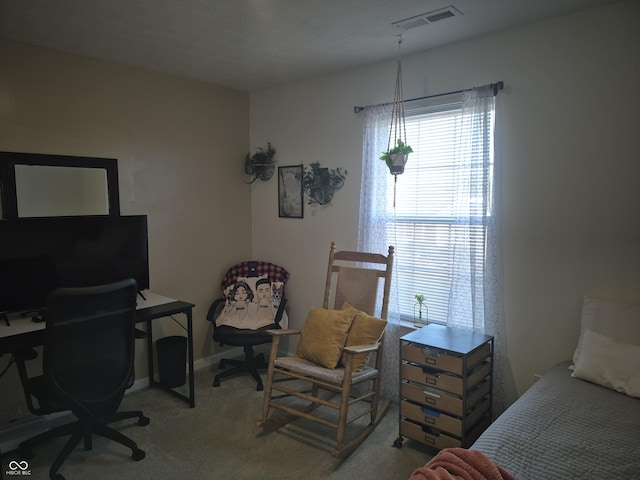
<point x="9" y="160"/>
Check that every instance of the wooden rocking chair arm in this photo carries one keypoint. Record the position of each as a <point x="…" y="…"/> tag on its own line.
<point x="283" y="332"/>
<point x="361" y="348"/>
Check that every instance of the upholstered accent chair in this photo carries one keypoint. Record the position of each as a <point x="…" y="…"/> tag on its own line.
<point x="252" y="303"/>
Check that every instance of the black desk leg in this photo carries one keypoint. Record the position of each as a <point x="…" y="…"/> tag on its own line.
<point x="150" y="353"/>
<point x="192" y="389"/>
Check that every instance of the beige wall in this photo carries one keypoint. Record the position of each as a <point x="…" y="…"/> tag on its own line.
<point x="179" y="144"/>
<point x="568" y="139"/>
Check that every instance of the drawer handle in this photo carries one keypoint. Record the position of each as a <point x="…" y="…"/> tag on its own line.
<point x="430" y="361"/>
<point x="430" y="420"/>
<point x="429" y="440"/>
<point x="430" y="401"/>
<point x="431" y="381"/>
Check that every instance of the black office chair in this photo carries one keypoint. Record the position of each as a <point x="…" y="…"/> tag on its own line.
<point x="253" y="302"/>
<point x="87" y="364"/>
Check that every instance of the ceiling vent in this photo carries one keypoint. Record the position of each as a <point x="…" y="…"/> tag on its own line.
<point x="427" y="18"/>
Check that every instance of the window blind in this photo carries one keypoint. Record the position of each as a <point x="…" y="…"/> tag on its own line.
<point x="428" y="218"/>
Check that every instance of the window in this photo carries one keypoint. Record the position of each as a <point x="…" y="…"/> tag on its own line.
<point x="438" y="207"/>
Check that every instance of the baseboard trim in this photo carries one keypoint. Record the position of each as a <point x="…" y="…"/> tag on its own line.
<point x="206" y="362"/>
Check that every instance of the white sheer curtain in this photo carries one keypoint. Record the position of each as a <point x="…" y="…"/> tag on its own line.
<point x="475" y="298"/>
<point x="373" y="235"/>
<point x="476" y="287"/>
<point x="472" y="209"/>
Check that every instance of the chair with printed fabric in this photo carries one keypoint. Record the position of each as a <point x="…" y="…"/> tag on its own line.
<point x="336" y="368"/>
<point x="252" y="302"/>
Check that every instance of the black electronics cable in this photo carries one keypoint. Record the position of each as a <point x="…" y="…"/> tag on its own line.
<point x="12" y="360"/>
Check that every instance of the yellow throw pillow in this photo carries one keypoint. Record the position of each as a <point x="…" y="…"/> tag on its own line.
<point x="365" y="330"/>
<point x="323" y="336"/>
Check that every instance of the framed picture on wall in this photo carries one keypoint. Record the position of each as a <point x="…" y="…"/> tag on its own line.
<point x="290" y="203"/>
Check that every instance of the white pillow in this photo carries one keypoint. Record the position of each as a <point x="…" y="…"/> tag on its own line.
<point x="609" y="363"/>
<point x="620" y="321"/>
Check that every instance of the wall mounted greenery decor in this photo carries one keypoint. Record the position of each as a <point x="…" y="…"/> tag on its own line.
<point x="260" y="165"/>
<point x="320" y="184"/>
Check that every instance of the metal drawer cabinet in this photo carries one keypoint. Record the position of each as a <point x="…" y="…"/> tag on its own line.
<point x="446" y="382"/>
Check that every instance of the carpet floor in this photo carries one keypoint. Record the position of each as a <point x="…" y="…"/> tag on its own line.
<point x="219" y="439"/>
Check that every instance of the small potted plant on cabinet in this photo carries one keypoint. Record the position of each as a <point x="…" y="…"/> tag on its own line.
<point x="260" y="165"/>
<point x="420" y="305"/>
<point x="396" y="157"/>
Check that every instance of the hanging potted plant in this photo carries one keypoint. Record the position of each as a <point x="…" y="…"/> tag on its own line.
<point x="320" y="184"/>
<point x="396" y="157"/>
<point x="260" y="165"/>
<point x="397" y="154"/>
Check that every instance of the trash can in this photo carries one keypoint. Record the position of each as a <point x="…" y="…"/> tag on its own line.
<point x="172" y="361"/>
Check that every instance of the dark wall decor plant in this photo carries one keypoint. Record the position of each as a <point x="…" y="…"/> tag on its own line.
<point x="320" y="183"/>
<point x="260" y="165"/>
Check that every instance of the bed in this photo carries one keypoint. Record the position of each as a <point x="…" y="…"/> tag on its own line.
<point x="566" y="427"/>
<point x="581" y="420"/>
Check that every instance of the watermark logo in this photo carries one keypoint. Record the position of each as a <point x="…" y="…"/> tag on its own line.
<point x="18" y="468"/>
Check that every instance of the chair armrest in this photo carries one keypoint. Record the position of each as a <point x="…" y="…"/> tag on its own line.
<point x="281" y="333"/>
<point x="362" y="348"/>
<point x="25" y="355"/>
<point x="215" y="309"/>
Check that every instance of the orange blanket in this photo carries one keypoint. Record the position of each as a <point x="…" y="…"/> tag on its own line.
<point x="460" y="464"/>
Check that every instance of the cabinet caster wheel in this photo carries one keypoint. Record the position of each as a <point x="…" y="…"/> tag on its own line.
<point x="398" y="442"/>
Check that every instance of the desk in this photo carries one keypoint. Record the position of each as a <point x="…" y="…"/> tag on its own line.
<point x="24" y="333"/>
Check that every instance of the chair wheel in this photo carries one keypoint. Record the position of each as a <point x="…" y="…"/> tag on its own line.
<point x="260" y="388"/>
<point x="57" y="476"/>
<point x="216" y="383"/>
<point x="138" y="455"/>
<point x="143" y="421"/>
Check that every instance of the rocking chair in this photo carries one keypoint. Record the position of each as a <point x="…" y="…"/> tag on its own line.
<point x="333" y="353"/>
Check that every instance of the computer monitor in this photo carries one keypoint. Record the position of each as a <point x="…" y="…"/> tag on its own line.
<point x="40" y="254"/>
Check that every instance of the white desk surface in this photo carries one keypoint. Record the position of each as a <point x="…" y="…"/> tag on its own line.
<point x="21" y="325"/>
<point x="152" y="299"/>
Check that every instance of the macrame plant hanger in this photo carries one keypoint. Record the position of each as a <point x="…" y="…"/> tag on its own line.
<point x="397" y="148"/>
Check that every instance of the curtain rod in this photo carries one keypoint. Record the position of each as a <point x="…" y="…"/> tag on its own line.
<point x="494" y="86"/>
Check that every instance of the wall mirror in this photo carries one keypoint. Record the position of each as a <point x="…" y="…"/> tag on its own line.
<point x="37" y="185"/>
